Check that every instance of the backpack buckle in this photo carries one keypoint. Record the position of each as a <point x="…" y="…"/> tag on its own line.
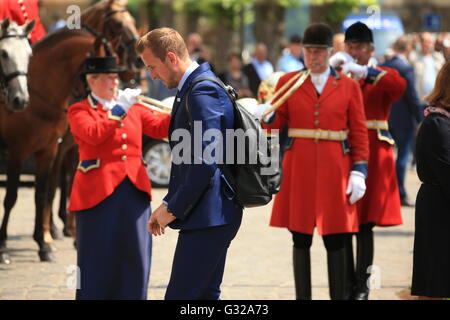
<point x="231" y="92"/>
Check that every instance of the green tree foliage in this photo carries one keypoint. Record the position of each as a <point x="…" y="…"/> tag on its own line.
<point x="336" y="10"/>
<point x="224" y="11"/>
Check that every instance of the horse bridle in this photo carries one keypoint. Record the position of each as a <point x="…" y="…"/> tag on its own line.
<point x="122" y="45"/>
<point x="97" y="35"/>
<point x="6" y="78"/>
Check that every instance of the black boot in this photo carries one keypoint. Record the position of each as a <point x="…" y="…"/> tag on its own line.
<point x="339" y="271"/>
<point x="350" y="269"/>
<point x="364" y="259"/>
<point x="302" y="273"/>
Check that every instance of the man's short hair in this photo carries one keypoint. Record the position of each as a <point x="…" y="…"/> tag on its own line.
<point x="401" y="44"/>
<point x="162" y="41"/>
<point x="234" y="54"/>
<point x="295" y="38"/>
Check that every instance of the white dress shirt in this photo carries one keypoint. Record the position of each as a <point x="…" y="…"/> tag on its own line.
<point x="107" y="104"/>
<point x="319" y="80"/>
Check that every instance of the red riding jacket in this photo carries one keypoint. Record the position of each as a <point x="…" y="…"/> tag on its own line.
<point x="110" y="148"/>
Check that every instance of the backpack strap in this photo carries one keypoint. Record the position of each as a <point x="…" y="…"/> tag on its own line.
<point x="231" y="93"/>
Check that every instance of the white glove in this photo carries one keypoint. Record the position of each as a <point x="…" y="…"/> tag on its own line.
<point x="340" y="58"/>
<point x="126" y="98"/>
<point x="260" y="109"/>
<point x="358" y="71"/>
<point x="356" y="186"/>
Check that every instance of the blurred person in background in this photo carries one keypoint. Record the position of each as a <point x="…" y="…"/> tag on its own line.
<point x="338" y="42"/>
<point x="235" y="77"/>
<point x="426" y="63"/>
<point x="405" y="115"/>
<point x="198" y="51"/>
<point x="58" y="22"/>
<point x="431" y="258"/>
<point x="292" y="60"/>
<point x="258" y="69"/>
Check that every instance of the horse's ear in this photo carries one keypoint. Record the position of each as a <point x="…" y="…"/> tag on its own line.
<point x="29" y="26"/>
<point x="5" y="25"/>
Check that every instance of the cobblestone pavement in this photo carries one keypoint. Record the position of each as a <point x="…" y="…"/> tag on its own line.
<point x="259" y="263"/>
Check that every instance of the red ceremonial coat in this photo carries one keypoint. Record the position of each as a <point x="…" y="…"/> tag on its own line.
<point x="315" y="173"/>
<point x="22" y="11"/>
<point x="110" y="149"/>
<point x="381" y="202"/>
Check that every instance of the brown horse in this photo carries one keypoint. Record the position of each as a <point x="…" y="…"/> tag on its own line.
<point x="53" y="75"/>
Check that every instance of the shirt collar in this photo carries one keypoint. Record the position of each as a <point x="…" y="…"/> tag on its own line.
<point x="194" y="65"/>
<point x="107" y="104"/>
<point x="324" y="74"/>
<point x="402" y="57"/>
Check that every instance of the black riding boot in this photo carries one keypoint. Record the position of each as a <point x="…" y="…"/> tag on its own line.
<point x="339" y="271"/>
<point x="351" y="268"/>
<point x="364" y="259"/>
<point x="302" y="274"/>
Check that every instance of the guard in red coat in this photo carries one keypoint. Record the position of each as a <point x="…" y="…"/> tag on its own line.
<point x="325" y="167"/>
<point x="111" y="189"/>
<point x="22" y="11"/>
<point x="380" y="87"/>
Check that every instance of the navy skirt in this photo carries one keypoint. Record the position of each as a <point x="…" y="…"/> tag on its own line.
<point x="114" y="246"/>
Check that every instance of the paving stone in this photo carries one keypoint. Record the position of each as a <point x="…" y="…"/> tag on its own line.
<point x="259" y="262"/>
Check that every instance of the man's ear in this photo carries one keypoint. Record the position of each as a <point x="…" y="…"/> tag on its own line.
<point x="172" y="57"/>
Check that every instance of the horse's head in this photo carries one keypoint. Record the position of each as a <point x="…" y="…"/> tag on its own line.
<point x="111" y="20"/>
<point x="15" y="53"/>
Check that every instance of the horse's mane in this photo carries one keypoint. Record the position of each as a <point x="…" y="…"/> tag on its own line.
<point x="53" y="38"/>
<point x="90" y="16"/>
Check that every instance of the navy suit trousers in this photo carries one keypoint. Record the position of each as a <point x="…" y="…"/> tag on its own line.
<point x="199" y="262"/>
<point x="114" y="246"/>
<point x="404" y="139"/>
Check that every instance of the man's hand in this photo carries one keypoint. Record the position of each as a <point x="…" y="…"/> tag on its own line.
<point x="340" y="58"/>
<point x="358" y="71"/>
<point x="356" y="186"/>
<point x="126" y="98"/>
<point x="260" y="109"/>
<point x="159" y="219"/>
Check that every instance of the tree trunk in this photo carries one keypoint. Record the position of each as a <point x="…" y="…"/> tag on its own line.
<point x="152" y="14"/>
<point x="269" y="26"/>
<point x="222" y="42"/>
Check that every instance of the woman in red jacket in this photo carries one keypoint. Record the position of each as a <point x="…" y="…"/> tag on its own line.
<point x="111" y="189"/>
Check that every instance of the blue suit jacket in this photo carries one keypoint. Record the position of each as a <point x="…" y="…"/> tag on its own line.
<point x="407" y="111"/>
<point x="198" y="194"/>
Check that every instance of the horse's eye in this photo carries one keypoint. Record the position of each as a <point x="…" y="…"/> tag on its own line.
<point x="4" y="54"/>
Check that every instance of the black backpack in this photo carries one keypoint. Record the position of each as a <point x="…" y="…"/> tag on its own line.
<point x="251" y="188"/>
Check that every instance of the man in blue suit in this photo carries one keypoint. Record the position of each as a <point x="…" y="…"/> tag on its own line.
<point x="406" y="113"/>
<point x="198" y="201"/>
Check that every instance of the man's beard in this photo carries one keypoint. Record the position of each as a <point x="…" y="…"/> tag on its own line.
<point x="171" y="82"/>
